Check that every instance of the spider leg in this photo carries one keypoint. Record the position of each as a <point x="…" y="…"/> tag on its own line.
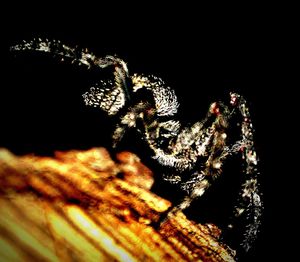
<point x="249" y="203"/>
<point x="110" y="96"/>
<point x="75" y="54"/>
<point x="197" y="191"/>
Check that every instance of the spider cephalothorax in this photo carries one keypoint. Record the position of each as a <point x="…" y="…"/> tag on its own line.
<point x="191" y="157"/>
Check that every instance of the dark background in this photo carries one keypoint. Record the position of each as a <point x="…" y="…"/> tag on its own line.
<point x="41" y="107"/>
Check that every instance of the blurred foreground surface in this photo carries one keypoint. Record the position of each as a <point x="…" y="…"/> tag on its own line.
<point x="83" y="206"/>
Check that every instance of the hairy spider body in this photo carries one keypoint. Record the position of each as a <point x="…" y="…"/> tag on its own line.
<point x="191" y="157"/>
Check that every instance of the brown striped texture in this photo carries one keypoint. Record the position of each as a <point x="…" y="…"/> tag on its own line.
<point x="83" y="206"/>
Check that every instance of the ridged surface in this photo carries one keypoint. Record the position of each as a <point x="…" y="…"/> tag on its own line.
<point x="83" y="206"/>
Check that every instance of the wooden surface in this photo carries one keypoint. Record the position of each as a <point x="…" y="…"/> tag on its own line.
<point x="83" y="206"/>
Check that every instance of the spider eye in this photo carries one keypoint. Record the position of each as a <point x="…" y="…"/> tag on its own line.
<point x="233" y="100"/>
<point x="214" y="108"/>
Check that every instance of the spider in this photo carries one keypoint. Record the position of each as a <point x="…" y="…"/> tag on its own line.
<point x="191" y="158"/>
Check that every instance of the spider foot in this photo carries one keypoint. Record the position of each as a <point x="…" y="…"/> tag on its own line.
<point x="165" y="216"/>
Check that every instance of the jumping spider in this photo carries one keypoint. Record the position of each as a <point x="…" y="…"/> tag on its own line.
<point x="191" y="157"/>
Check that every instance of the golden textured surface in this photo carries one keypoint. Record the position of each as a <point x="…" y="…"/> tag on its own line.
<point x="83" y="206"/>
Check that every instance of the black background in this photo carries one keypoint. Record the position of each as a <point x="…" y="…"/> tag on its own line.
<point x="201" y="57"/>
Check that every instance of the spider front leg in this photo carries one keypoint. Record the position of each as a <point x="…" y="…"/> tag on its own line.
<point x="198" y="190"/>
<point x="110" y="95"/>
